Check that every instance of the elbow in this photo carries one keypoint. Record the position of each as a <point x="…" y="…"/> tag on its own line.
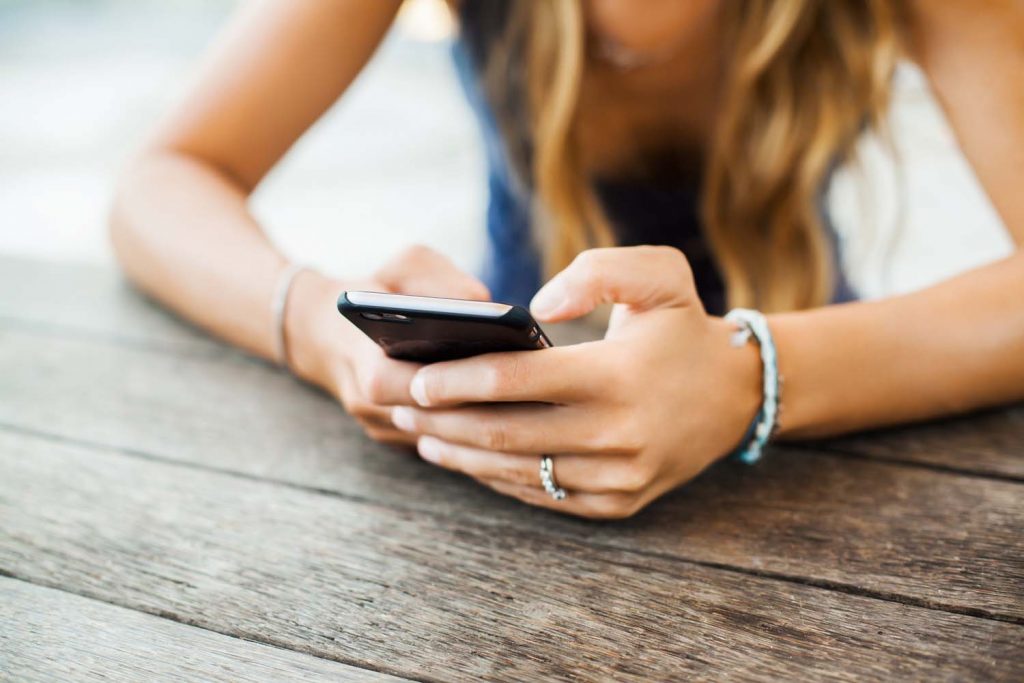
<point x="160" y="198"/>
<point x="138" y="212"/>
<point x="119" y="228"/>
<point x="123" y="220"/>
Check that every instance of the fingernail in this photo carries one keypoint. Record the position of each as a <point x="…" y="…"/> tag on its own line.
<point x="404" y="418"/>
<point x="430" y="449"/>
<point x="418" y="389"/>
<point x="549" y="299"/>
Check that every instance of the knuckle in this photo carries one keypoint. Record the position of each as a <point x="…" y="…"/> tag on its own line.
<point x="415" y="253"/>
<point x="669" y="254"/>
<point x="599" y="441"/>
<point x="502" y="375"/>
<point x="628" y="433"/>
<point x="377" y="433"/>
<point x="513" y="475"/>
<point x="663" y="253"/>
<point x="616" y="507"/>
<point x="504" y="488"/>
<point x="494" y="437"/>
<point x="587" y="266"/>
<point x="524" y="496"/>
<point x="375" y="387"/>
<point x="618" y="436"/>
<point x="635" y="478"/>
<point x="626" y="478"/>
<point x="635" y="504"/>
<point x="398" y="266"/>
<point x="389" y="436"/>
<point x="358" y="408"/>
<point x="586" y="258"/>
<point x="478" y="291"/>
<point x="675" y="261"/>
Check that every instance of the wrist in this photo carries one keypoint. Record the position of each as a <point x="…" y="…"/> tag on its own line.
<point x="752" y="325"/>
<point x="811" y="397"/>
<point x="743" y="373"/>
<point x="312" y="328"/>
<point x="744" y="370"/>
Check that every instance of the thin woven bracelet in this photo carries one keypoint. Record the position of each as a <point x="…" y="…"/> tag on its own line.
<point x="278" y="308"/>
<point x="753" y="323"/>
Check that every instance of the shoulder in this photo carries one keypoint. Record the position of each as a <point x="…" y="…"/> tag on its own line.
<point x="973" y="54"/>
<point x="985" y="28"/>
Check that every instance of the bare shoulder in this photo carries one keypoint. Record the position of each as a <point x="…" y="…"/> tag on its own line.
<point x="967" y="17"/>
<point x="973" y="53"/>
<point x="980" y="38"/>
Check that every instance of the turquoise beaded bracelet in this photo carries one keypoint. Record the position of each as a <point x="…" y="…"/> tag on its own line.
<point x="750" y="323"/>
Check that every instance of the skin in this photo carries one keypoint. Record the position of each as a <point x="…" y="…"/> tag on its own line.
<point x="664" y="395"/>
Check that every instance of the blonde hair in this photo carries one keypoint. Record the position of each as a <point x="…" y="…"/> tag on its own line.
<point x="802" y="80"/>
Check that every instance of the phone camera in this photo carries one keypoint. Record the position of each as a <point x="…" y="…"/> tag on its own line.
<point x="386" y="317"/>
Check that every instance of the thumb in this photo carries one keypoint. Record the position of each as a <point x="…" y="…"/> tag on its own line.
<point x="640" y="277"/>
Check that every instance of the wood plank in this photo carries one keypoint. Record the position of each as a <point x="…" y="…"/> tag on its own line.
<point x="49" y="635"/>
<point x="90" y="301"/>
<point x="918" y="535"/>
<point x="419" y="595"/>
<point x="95" y="301"/>
<point x="989" y="442"/>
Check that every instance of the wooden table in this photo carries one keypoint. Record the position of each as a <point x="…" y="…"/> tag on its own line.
<point x="170" y="508"/>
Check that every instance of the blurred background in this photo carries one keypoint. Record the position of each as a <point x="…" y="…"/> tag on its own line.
<point x="83" y="81"/>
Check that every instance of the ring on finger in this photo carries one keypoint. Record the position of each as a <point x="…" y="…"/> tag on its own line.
<point x="547" y="478"/>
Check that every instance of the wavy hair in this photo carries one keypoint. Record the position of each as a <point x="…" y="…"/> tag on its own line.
<point x="803" y="79"/>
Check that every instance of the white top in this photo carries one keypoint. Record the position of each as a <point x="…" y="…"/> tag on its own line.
<point x="909" y="211"/>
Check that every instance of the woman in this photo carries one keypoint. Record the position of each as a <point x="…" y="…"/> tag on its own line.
<point x="727" y="132"/>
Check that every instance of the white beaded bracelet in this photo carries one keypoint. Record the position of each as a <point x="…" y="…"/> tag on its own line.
<point x="753" y="323"/>
<point x="278" y="308"/>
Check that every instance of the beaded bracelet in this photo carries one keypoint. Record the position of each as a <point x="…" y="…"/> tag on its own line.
<point x="753" y="323"/>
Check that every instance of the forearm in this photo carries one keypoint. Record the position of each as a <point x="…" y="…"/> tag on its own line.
<point x="183" y="233"/>
<point x="951" y="348"/>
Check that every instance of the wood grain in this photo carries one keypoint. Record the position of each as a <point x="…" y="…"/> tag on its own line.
<point x="989" y="443"/>
<point x="929" y="537"/>
<point x="91" y="302"/>
<point x="48" y="635"/>
<point x="420" y="595"/>
<point x="78" y="301"/>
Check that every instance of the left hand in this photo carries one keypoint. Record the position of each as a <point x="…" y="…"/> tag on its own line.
<point x="625" y="419"/>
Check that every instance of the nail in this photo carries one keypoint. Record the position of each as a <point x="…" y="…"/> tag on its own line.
<point x="549" y="299"/>
<point x="404" y="418"/>
<point x="430" y="449"/>
<point x="418" y="389"/>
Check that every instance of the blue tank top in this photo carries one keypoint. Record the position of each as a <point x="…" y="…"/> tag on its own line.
<point x="639" y="212"/>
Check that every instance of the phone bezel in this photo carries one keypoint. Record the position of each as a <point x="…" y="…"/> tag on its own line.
<point x="427" y="304"/>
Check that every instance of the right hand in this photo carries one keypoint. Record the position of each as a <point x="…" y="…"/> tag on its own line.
<point x="329" y="351"/>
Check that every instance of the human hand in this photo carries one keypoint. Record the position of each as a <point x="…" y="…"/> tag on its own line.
<point x="333" y="353"/>
<point x="625" y="419"/>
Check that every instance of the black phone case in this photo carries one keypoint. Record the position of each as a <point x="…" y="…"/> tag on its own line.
<point x="428" y="337"/>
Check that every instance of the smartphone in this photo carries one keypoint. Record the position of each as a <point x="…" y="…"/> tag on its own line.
<point x="429" y="329"/>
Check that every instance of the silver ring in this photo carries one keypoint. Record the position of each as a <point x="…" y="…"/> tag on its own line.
<point x="547" y="478"/>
